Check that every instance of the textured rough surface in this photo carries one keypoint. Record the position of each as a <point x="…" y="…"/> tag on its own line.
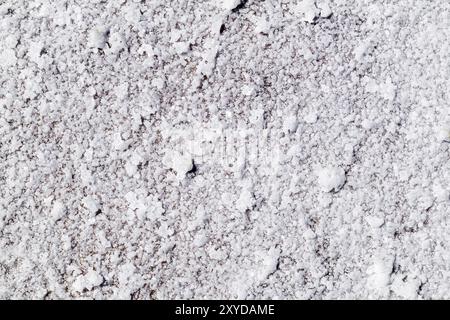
<point x="224" y="149"/>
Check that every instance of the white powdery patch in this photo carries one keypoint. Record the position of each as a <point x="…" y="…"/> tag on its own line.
<point x="133" y="14"/>
<point x="7" y="58"/>
<point x="98" y="37"/>
<point x="379" y="276"/>
<point x="387" y="89"/>
<point x="87" y="281"/>
<point x="325" y="10"/>
<point x="375" y="222"/>
<point x="311" y="118"/>
<point x="117" y="42"/>
<point x="92" y="204"/>
<point x="262" y="25"/>
<point x="245" y="201"/>
<point x="441" y="193"/>
<point x="132" y="164"/>
<point x="264" y="265"/>
<point x="208" y="58"/>
<point x="362" y="50"/>
<point x="118" y="143"/>
<point x="129" y="280"/>
<point x="290" y="124"/>
<point x="200" y="220"/>
<point x="229" y="4"/>
<point x="443" y="133"/>
<point x="405" y="287"/>
<point x="181" y="47"/>
<point x="58" y="211"/>
<point x="330" y="179"/>
<point x="248" y="90"/>
<point x="307" y="10"/>
<point x="269" y="263"/>
<point x="144" y="206"/>
<point x="257" y="118"/>
<point x="35" y="50"/>
<point x="181" y="163"/>
<point x="200" y="239"/>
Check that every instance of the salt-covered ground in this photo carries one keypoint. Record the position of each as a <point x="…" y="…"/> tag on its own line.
<point x="224" y="149"/>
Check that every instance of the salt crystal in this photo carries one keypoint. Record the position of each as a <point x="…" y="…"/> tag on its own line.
<point x="331" y="178"/>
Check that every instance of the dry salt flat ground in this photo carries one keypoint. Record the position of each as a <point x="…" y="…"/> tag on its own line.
<point x="224" y="149"/>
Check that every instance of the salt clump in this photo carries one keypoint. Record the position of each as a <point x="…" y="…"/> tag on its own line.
<point x="181" y="163"/>
<point x="7" y="58"/>
<point x="405" y="288"/>
<point x="58" y="211"/>
<point x="230" y="4"/>
<point x="331" y="178"/>
<point x="290" y="124"/>
<point x="98" y="37"/>
<point x="443" y="133"/>
<point x="325" y="10"/>
<point x="307" y="10"/>
<point x="379" y="276"/>
<point x="88" y="281"/>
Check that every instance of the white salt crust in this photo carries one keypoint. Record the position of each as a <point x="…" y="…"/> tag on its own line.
<point x="224" y="149"/>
